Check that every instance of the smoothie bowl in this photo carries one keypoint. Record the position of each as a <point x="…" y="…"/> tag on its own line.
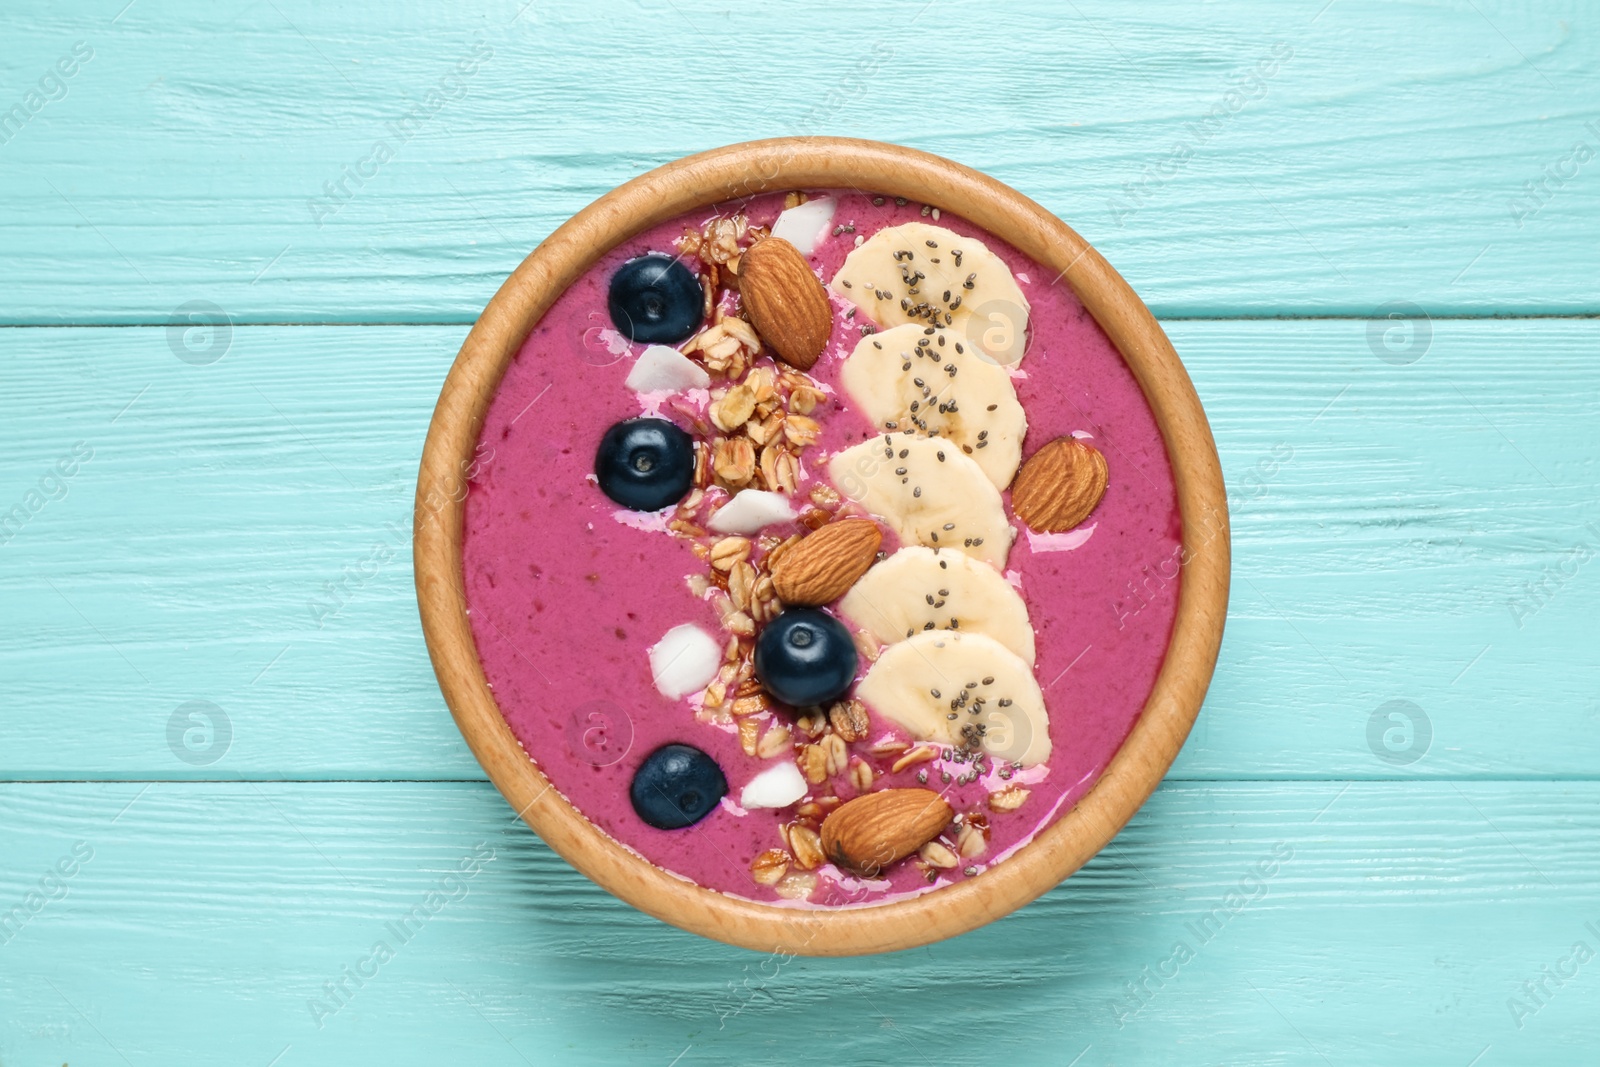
<point x="820" y="546"/>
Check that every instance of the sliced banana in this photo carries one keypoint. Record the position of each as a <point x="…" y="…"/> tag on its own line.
<point x="931" y="380"/>
<point x="961" y="690"/>
<point x="929" y="492"/>
<point x="917" y="590"/>
<point x="932" y="276"/>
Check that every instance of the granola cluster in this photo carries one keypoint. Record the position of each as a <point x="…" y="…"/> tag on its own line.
<point x="757" y="424"/>
<point x="739" y="585"/>
<point x="752" y="434"/>
<point x="824" y="755"/>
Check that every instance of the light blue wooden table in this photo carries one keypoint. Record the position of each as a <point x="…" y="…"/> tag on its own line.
<point x="217" y="799"/>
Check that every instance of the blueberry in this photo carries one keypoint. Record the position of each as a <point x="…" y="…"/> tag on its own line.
<point x="676" y="786"/>
<point x="805" y="657"/>
<point x="645" y="464"/>
<point x="655" y="299"/>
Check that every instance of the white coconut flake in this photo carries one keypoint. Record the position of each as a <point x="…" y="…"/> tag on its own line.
<point x="804" y="226"/>
<point x="775" y="787"/>
<point x="666" y="370"/>
<point x="649" y="521"/>
<point x="684" y="661"/>
<point x="1060" y="542"/>
<point x="750" y="511"/>
<point x="604" y="339"/>
<point x="652" y="405"/>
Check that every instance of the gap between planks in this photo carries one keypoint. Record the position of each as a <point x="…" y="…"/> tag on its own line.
<point x="1576" y="316"/>
<point x="1507" y="779"/>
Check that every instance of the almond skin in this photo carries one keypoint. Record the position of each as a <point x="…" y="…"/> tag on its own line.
<point x="869" y="833"/>
<point x="1059" y="486"/>
<point x="826" y="562"/>
<point x="787" y="304"/>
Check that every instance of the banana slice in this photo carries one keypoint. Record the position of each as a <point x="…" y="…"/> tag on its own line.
<point x="961" y="690"/>
<point x="929" y="275"/>
<point x="932" y="380"/>
<point x="929" y="492"/>
<point x="917" y="590"/>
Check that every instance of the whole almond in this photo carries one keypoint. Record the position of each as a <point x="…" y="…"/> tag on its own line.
<point x="1059" y="485"/>
<point x="870" y="832"/>
<point x="826" y="562"/>
<point x="787" y="304"/>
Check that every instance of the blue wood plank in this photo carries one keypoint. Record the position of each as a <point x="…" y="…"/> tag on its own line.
<point x="1419" y="533"/>
<point x="1367" y="923"/>
<point x="1242" y="159"/>
<point x="1415" y="533"/>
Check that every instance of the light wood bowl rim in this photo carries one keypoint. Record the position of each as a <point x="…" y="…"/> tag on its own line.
<point x="812" y="163"/>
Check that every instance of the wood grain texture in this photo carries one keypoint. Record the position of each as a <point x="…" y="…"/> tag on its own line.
<point x="1395" y="922"/>
<point x="1393" y="526"/>
<point x="202" y="153"/>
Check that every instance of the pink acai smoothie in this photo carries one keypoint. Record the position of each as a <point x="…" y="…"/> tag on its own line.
<point x="567" y="592"/>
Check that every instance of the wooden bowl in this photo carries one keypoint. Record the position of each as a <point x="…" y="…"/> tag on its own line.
<point x="823" y="162"/>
